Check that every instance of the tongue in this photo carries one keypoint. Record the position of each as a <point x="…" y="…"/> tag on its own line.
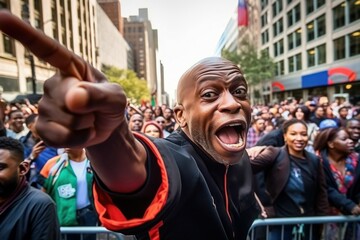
<point x="228" y="135"/>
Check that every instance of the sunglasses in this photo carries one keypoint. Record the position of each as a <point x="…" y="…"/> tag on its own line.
<point x="160" y="121"/>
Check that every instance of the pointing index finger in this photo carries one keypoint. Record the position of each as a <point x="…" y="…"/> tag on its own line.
<point x="42" y="46"/>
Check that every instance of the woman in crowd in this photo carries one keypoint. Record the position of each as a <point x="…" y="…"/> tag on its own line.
<point x="294" y="180"/>
<point x="342" y="173"/>
<point x="153" y="129"/>
<point x="303" y="113"/>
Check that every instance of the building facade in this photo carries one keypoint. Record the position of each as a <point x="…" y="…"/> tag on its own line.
<point x="113" y="48"/>
<point x="72" y="23"/>
<point x="315" y="45"/>
<point x="143" y="40"/>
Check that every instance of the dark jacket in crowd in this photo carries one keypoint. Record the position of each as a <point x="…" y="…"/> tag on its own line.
<point x="344" y="203"/>
<point x="209" y="199"/>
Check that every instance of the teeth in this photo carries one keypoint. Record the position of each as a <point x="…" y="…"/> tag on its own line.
<point x="234" y="125"/>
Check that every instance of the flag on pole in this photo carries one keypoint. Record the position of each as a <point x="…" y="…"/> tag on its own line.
<point x="243" y="18"/>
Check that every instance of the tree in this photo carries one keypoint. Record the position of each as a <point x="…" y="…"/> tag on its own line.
<point x="257" y="67"/>
<point x="136" y="89"/>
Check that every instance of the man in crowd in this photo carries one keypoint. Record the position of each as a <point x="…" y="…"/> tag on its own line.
<point x="25" y="212"/>
<point x="256" y="131"/>
<point x="17" y="128"/>
<point x="353" y="128"/>
<point x="136" y="122"/>
<point x="199" y="176"/>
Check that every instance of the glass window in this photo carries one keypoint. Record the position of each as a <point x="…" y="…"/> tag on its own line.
<point x="339" y="16"/>
<point x="264" y="19"/>
<point x="290" y="41"/>
<point x="311" y="57"/>
<point x="297" y="13"/>
<point x="37" y="5"/>
<point x="298" y="61"/>
<point x="319" y="3"/>
<point x="298" y="37"/>
<point x="354" y="10"/>
<point x="282" y="69"/>
<point x="339" y="48"/>
<point x="291" y="64"/>
<point x="290" y="18"/>
<point x="264" y="4"/>
<point x="321" y="25"/>
<point x="309" y="6"/>
<point x="310" y="31"/>
<point x="3" y="4"/>
<point x="281" y="46"/>
<point x="355" y="43"/>
<point x="8" y="45"/>
<point x="265" y="37"/>
<point x="321" y="53"/>
<point x="278" y="27"/>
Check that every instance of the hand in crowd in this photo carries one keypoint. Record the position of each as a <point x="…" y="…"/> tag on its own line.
<point x="75" y="109"/>
<point x="356" y="210"/>
<point x="37" y="149"/>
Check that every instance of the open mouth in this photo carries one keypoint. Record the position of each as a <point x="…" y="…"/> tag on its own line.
<point x="231" y="136"/>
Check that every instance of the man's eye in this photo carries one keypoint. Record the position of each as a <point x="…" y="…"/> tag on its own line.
<point x="209" y="94"/>
<point x="240" y="92"/>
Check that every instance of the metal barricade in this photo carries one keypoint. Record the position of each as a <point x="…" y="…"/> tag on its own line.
<point x="93" y="233"/>
<point x="260" y="229"/>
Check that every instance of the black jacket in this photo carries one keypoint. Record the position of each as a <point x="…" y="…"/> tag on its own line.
<point x="344" y="203"/>
<point x="31" y="215"/>
<point x="198" y="191"/>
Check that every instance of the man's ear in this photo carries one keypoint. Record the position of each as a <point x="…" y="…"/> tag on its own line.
<point x="180" y="115"/>
<point x="24" y="167"/>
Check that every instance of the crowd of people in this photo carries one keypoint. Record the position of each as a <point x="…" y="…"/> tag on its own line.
<point x="86" y="156"/>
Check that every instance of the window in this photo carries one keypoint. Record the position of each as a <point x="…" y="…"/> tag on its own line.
<point x="264" y="4"/>
<point x="265" y="37"/>
<point x="294" y="39"/>
<point x="354" y="10"/>
<point x="8" y="45"/>
<point x="310" y="31"/>
<point x="264" y="19"/>
<point x="321" y="54"/>
<point x="279" y="68"/>
<point x="321" y="25"/>
<point x="295" y="63"/>
<point x="4" y="4"/>
<point x="355" y="43"/>
<point x="339" y="16"/>
<point x="277" y="7"/>
<point x="278" y="27"/>
<point x="294" y="15"/>
<point x="279" y="48"/>
<point x="339" y="48"/>
<point x="311" y="57"/>
<point x="317" y="56"/>
<point x="312" y="5"/>
<point x="316" y="28"/>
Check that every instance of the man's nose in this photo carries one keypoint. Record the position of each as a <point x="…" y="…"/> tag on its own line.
<point x="229" y="103"/>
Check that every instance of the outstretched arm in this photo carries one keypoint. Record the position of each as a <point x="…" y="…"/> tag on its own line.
<point x="80" y="108"/>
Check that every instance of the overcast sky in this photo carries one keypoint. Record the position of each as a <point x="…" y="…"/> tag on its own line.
<point x="188" y="30"/>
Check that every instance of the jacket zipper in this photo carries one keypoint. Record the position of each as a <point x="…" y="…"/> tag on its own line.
<point x="226" y="193"/>
<point x="226" y="196"/>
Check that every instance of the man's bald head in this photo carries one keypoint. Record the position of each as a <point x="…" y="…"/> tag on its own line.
<point x="204" y="66"/>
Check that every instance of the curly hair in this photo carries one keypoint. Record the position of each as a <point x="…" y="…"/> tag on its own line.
<point x="14" y="146"/>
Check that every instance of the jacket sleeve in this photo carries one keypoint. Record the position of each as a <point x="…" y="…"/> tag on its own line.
<point x="263" y="160"/>
<point x="337" y="199"/>
<point x="322" y="206"/>
<point x="45" y="223"/>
